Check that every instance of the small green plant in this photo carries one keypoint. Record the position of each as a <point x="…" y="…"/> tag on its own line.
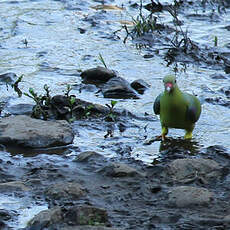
<point x="111" y="115"/>
<point x="102" y="60"/>
<point x="15" y="86"/>
<point x="144" y="24"/>
<point x="68" y="89"/>
<point x="88" y="110"/>
<point x="215" y="41"/>
<point x="72" y="102"/>
<point x="42" y="102"/>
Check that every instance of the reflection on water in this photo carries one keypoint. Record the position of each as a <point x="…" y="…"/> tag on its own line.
<point x="23" y="205"/>
<point x="65" y="37"/>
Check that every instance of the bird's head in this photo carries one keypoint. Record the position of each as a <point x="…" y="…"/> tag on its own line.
<point x="169" y="83"/>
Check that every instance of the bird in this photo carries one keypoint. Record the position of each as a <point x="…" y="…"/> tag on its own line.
<point x="177" y="109"/>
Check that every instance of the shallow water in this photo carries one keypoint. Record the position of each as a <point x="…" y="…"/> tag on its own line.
<point x="65" y="37"/>
<point x="57" y="49"/>
<point x="27" y="208"/>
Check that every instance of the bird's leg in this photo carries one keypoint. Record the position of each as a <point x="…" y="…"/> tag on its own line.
<point x="188" y="134"/>
<point x="164" y="132"/>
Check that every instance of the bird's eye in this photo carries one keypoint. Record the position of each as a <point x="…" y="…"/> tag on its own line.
<point x="175" y="81"/>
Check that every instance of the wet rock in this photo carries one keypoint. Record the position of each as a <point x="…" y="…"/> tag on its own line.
<point x="74" y="216"/>
<point x="88" y="227"/>
<point x="154" y="7"/>
<point x="5" y="215"/>
<point x="3" y="226"/>
<point x="120" y="170"/>
<point x="8" y="78"/>
<point x="46" y="218"/>
<point x="28" y="132"/>
<point x="210" y="221"/>
<point x="190" y="170"/>
<point x="60" y="105"/>
<point x="218" y="101"/>
<point x="97" y="75"/>
<point x="85" y="214"/>
<point x="227" y="219"/>
<point x="85" y="156"/>
<point x="218" y="76"/>
<point x="20" y="109"/>
<point x="13" y="185"/>
<point x="80" y="109"/>
<point x="114" y="86"/>
<point x="118" y="87"/>
<point x="140" y="86"/>
<point x="226" y="91"/>
<point x="65" y="190"/>
<point x="166" y="217"/>
<point x="188" y="196"/>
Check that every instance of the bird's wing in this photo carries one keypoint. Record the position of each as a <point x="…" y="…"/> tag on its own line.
<point x="156" y="106"/>
<point x="193" y="108"/>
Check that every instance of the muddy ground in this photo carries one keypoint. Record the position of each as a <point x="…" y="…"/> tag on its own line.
<point x="180" y="191"/>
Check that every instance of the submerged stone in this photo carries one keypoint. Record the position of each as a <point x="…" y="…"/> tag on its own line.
<point x="74" y="216"/>
<point x="13" y="186"/>
<point x="20" y="109"/>
<point x="65" y="190"/>
<point x="8" y="78"/>
<point x="87" y="155"/>
<point x="120" y="170"/>
<point x="188" y="196"/>
<point x="189" y="170"/>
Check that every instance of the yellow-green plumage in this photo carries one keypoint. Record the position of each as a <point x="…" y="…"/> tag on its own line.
<point x="176" y="109"/>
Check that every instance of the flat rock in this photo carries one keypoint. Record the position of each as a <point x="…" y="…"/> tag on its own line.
<point x="47" y="217"/>
<point x="120" y="170"/>
<point x="13" y="185"/>
<point x="65" y="190"/>
<point x="119" y="88"/>
<point x="28" y="132"/>
<point x="20" y="109"/>
<point x="89" y="227"/>
<point x="188" y="170"/>
<point x="188" y="196"/>
<point x="87" y="155"/>
<point x="85" y="214"/>
<point x="74" y="215"/>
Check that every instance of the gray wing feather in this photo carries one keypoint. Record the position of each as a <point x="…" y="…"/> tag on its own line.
<point x="194" y="108"/>
<point x="156" y="105"/>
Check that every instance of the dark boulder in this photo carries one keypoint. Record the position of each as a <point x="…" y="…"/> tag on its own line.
<point x="97" y="75"/>
<point x="140" y="86"/>
<point x="119" y="88"/>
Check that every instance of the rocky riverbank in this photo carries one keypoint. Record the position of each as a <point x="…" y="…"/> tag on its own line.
<point x="89" y="191"/>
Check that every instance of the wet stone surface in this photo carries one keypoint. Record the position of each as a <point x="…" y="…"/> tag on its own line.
<point x="81" y="192"/>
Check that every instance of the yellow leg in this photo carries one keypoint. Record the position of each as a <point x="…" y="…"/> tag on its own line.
<point x="164" y="132"/>
<point x="188" y="135"/>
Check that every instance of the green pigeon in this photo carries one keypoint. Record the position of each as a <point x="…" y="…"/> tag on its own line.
<point x="177" y="109"/>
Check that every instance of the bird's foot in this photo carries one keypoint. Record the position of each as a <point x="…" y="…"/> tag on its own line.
<point x="162" y="137"/>
<point x="188" y="135"/>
